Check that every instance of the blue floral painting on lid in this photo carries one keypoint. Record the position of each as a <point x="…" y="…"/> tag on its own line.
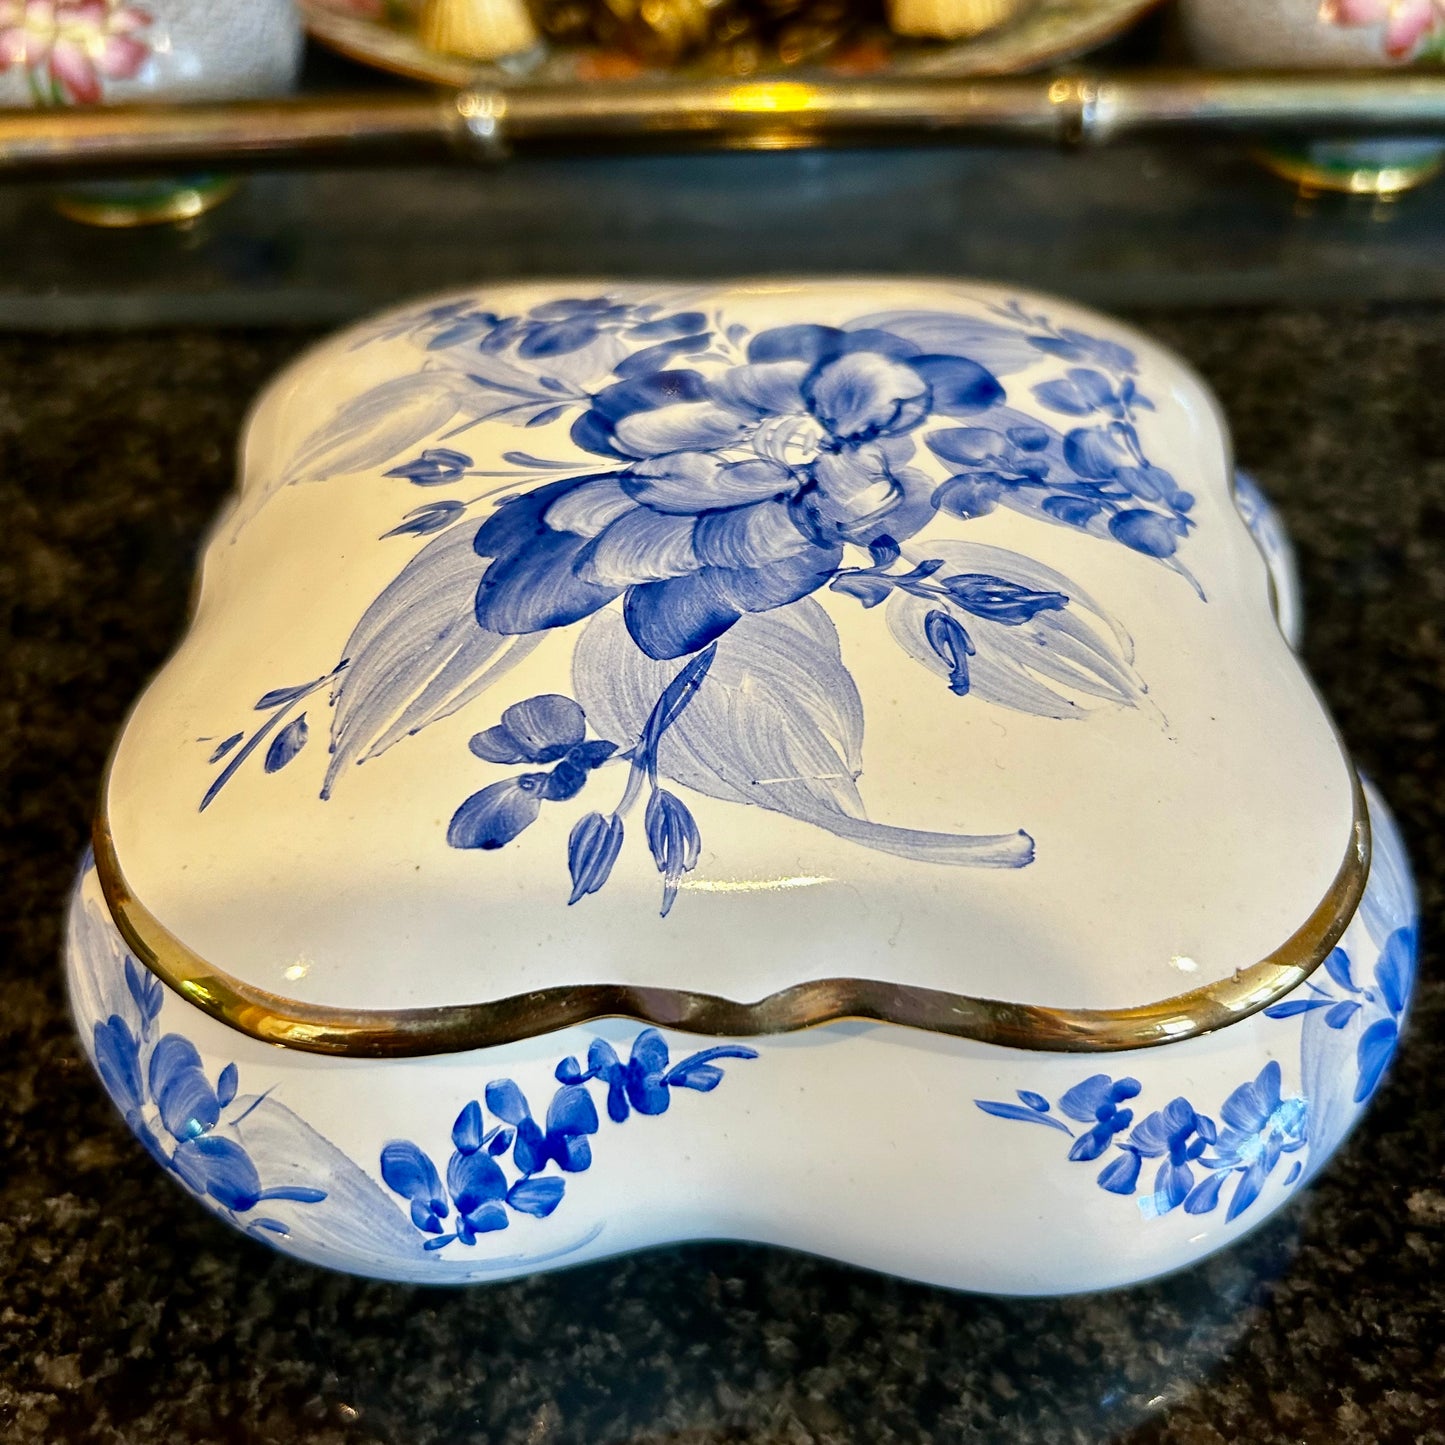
<point x="718" y="479"/>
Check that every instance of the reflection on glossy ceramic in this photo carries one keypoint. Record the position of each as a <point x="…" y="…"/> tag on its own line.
<point x="739" y="642"/>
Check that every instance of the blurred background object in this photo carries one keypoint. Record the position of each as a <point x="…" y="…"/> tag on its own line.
<point x="1314" y="34"/>
<point x="108" y="52"/>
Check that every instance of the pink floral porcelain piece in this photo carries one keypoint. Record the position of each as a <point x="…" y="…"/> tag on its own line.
<point x="106" y="52"/>
<point x="1412" y="28"/>
<point x="68" y="49"/>
<point x="89" y="52"/>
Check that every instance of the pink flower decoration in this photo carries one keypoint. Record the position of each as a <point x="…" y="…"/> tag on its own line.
<point x="1408" y="23"/>
<point x="72" y="46"/>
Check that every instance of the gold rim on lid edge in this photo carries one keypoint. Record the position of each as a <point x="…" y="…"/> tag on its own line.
<point x="454" y="1028"/>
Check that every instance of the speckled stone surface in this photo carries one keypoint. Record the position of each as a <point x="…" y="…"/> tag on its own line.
<point x="127" y="1315"/>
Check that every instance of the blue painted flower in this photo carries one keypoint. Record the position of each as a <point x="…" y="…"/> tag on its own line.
<point x="1383" y="1005"/>
<point x="571" y="1117"/>
<point x="1394" y="979"/>
<point x="545" y="729"/>
<point x="435" y="467"/>
<point x="1259" y="1126"/>
<point x="737" y="491"/>
<point x="477" y="1192"/>
<point x="643" y="1082"/>
<point x="1177" y="1136"/>
<point x="170" y="1089"/>
<point x="1096" y="1102"/>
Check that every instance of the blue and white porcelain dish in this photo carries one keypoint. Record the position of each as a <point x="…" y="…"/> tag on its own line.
<point x="648" y="759"/>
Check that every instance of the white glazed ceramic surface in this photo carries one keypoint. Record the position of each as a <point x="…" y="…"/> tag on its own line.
<point x="720" y="640"/>
<point x="72" y="52"/>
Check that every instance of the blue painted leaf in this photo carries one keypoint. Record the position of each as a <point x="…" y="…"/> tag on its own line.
<point x="1072" y="511"/>
<point x="1074" y="345"/>
<point x="1021" y="1112"/>
<point x="676" y="696"/>
<point x="144" y="988"/>
<point x="279" y="696"/>
<point x="1205" y="1196"/>
<point x="1342" y="1013"/>
<point x="1056" y="663"/>
<point x="1172" y="1185"/>
<point x="1121" y="1174"/>
<point x="467" y="1131"/>
<point x="1001" y="348"/>
<point x="117" y="1057"/>
<point x="1376" y="1049"/>
<point x="222" y="748"/>
<point x="499" y="1142"/>
<point x="297" y="1193"/>
<point x="1292" y="1007"/>
<point x="371" y="429"/>
<point x="688" y="1071"/>
<point x="592" y="849"/>
<point x="869" y="590"/>
<point x="1251" y="1181"/>
<point x="796" y="749"/>
<point x="1295" y="1170"/>
<point x="537" y="1197"/>
<point x="994" y="597"/>
<point x="417" y="655"/>
<point x="548" y="414"/>
<point x="423" y="521"/>
<point x="1396" y="969"/>
<point x="226" y="1085"/>
<point x="493" y="817"/>
<point x="286" y="744"/>
<point x="1337" y="965"/>
<point x="1034" y="1101"/>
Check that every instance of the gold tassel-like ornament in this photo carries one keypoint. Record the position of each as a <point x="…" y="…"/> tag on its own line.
<point x="477" y="29"/>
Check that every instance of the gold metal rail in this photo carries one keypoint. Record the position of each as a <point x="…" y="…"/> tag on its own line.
<point x="487" y="123"/>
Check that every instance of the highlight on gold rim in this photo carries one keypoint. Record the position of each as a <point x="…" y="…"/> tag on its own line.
<point x="456" y="1028"/>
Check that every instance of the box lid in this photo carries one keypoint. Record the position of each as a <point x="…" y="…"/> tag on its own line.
<point x="685" y="651"/>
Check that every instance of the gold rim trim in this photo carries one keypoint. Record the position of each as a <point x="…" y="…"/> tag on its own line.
<point x="453" y="1028"/>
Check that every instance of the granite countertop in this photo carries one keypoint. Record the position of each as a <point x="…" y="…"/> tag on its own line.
<point x="128" y="1315"/>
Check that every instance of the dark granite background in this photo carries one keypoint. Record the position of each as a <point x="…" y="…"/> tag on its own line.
<point x="126" y="1314"/>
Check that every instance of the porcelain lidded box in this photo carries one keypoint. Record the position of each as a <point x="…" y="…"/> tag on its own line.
<point x="816" y="763"/>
